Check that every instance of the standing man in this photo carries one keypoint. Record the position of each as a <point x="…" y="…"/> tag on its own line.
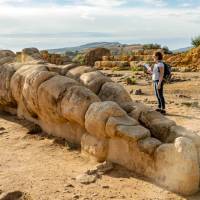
<point x="158" y="81"/>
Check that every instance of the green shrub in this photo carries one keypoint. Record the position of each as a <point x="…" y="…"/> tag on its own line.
<point x="166" y="50"/>
<point x="137" y="68"/>
<point x="131" y="80"/>
<point x="196" y="41"/>
<point x="79" y="58"/>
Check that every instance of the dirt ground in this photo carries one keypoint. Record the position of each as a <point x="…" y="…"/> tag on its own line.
<point x="38" y="167"/>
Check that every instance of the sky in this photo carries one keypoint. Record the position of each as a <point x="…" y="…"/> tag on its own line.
<point x="48" y="24"/>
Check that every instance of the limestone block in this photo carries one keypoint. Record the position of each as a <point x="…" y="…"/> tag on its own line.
<point x="178" y="131"/>
<point x="78" y="71"/>
<point x="134" y="109"/>
<point x="18" y="79"/>
<point x="71" y="131"/>
<point x="157" y="123"/>
<point x="111" y="91"/>
<point x="98" y="114"/>
<point x="149" y="144"/>
<point x="6" y="56"/>
<point x="94" y="80"/>
<point x="122" y="157"/>
<point x="30" y="88"/>
<point x="127" y="154"/>
<point x="6" y="73"/>
<point x="133" y="133"/>
<point x="113" y="122"/>
<point x="51" y="92"/>
<point x="94" y="146"/>
<point x="30" y="54"/>
<point x="177" y="166"/>
<point x="76" y="102"/>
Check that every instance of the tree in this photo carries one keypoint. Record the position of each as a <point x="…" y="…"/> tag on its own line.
<point x="196" y="41"/>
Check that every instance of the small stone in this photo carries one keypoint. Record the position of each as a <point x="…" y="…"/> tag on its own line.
<point x="2" y="129"/>
<point x="91" y="171"/>
<point x="86" y="179"/>
<point x="69" y="185"/>
<point x="76" y="197"/>
<point x="138" y="92"/>
<point x="105" y="167"/>
<point x="131" y="92"/>
<point x="105" y="186"/>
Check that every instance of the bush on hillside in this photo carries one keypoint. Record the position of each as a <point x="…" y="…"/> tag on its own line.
<point x="79" y="58"/>
<point x="196" y="41"/>
<point x="151" y="46"/>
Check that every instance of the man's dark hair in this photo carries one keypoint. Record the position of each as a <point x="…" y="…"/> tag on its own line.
<point x="159" y="55"/>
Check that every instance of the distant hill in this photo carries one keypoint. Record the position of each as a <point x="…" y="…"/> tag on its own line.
<point x="181" y="50"/>
<point x="115" y="47"/>
<point x="85" y="47"/>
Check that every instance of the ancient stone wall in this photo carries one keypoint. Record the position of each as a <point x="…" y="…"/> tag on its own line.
<point x="83" y="106"/>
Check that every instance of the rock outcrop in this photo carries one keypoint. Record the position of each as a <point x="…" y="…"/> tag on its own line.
<point x="57" y="59"/>
<point x="185" y="62"/>
<point x="83" y="106"/>
<point x="95" y="55"/>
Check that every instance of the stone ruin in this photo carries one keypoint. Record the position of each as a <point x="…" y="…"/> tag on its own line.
<point x="85" y="107"/>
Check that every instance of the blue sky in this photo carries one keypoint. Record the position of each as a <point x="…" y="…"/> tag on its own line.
<point x="61" y="23"/>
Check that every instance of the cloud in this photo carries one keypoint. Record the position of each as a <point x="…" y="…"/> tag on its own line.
<point x="105" y="3"/>
<point x="55" y="25"/>
<point x="157" y="3"/>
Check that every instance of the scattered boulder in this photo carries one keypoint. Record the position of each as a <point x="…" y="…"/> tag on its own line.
<point x="138" y="92"/>
<point x="86" y="179"/>
<point x="96" y="55"/>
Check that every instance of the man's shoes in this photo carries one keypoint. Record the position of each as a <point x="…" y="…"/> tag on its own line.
<point x="158" y="110"/>
<point x="163" y="112"/>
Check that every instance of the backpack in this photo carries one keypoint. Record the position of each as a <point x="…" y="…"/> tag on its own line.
<point x="167" y="72"/>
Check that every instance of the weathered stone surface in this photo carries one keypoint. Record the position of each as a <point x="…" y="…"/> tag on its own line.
<point x="95" y="147"/>
<point x="75" y="103"/>
<point x="62" y="128"/>
<point x="178" y="131"/>
<point x="177" y="166"/>
<point x="94" y="80"/>
<point x="78" y="71"/>
<point x="113" y="122"/>
<point x="6" y="98"/>
<point x="30" y="88"/>
<point x="98" y="114"/>
<point x="134" y="109"/>
<point x="157" y="123"/>
<point x="50" y="93"/>
<point x="127" y="153"/>
<point x="96" y="54"/>
<point x="111" y="64"/>
<point x="133" y="133"/>
<point x="30" y="55"/>
<point x="149" y="144"/>
<point x="6" y="56"/>
<point x="114" y="92"/>
<point x="18" y="79"/>
<point x="86" y="179"/>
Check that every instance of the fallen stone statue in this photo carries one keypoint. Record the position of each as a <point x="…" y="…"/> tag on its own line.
<point x="85" y="107"/>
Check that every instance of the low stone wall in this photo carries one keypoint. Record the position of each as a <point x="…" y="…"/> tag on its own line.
<point x="83" y="106"/>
